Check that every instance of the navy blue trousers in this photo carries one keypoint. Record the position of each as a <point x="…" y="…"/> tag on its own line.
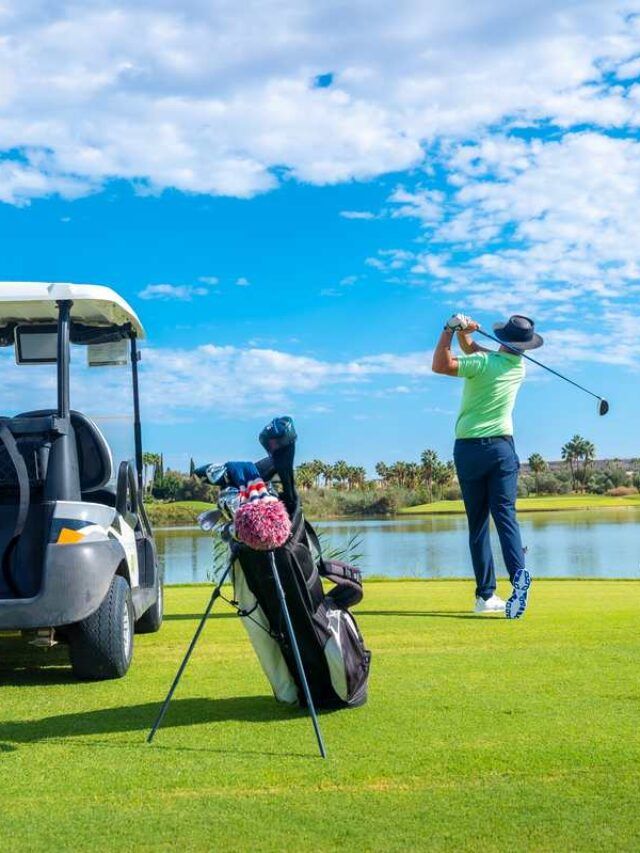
<point x="488" y="475"/>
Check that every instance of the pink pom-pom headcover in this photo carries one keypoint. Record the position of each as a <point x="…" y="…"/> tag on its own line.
<point x="263" y="524"/>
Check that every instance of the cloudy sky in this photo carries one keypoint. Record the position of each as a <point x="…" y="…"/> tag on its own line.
<point x="295" y="195"/>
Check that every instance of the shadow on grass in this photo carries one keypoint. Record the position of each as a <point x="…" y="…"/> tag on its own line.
<point x="440" y="614"/>
<point x="139" y="718"/>
<point x="22" y="665"/>
<point x="174" y="617"/>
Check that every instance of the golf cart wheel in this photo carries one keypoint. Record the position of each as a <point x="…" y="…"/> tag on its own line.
<point x="151" y="619"/>
<point x="101" y="646"/>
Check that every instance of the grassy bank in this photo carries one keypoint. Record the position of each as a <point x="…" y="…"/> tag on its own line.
<point x="480" y="734"/>
<point x="318" y="503"/>
<point x="176" y="514"/>
<point x="543" y="504"/>
<point x="344" y="504"/>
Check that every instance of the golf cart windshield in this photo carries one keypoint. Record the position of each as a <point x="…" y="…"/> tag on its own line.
<point x="102" y="392"/>
<point x="66" y="346"/>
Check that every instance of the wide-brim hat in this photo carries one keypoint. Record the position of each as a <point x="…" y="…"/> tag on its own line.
<point x="518" y="333"/>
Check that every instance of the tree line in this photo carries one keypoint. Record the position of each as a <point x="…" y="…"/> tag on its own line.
<point x="410" y="482"/>
<point x="430" y="474"/>
<point x="579" y="475"/>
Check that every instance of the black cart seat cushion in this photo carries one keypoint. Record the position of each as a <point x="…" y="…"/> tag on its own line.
<point x="94" y="454"/>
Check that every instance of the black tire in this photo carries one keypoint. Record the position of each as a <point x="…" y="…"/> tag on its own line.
<point x="101" y="646"/>
<point x="151" y="619"/>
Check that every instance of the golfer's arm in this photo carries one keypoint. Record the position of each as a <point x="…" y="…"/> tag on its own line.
<point x="443" y="359"/>
<point x="469" y="346"/>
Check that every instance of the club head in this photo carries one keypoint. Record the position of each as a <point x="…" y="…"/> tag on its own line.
<point x="278" y="433"/>
<point x="603" y="407"/>
<point x="208" y="520"/>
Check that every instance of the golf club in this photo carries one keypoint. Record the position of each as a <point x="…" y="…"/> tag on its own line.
<point x="603" y="405"/>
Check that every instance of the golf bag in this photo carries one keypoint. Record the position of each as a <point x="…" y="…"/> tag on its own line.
<point x="332" y="649"/>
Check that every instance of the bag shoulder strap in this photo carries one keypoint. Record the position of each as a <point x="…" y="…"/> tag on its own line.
<point x="6" y="437"/>
<point x="333" y="569"/>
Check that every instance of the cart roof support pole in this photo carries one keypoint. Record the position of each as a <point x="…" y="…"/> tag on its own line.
<point x="137" y="427"/>
<point x="64" y="312"/>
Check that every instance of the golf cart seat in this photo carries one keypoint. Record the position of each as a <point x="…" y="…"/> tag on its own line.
<point x="95" y="463"/>
<point x="32" y="434"/>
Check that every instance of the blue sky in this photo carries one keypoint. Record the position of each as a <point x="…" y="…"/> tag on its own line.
<point x="300" y="254"/>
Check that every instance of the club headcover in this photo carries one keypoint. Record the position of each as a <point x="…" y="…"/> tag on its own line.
<point x="262" y="525"/>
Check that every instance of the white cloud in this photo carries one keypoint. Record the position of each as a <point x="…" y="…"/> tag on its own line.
<point x="167" y="292"/>
<point x="220" y="98"/>
<point x="211" y="280"/>
<point x="20" y="183"/>
<point x="236" y="380"/>
<point x="242" y="282"/>
<point x="357" y="214"/>
<point x="628" y="70"/>
<point x="538" y="226"/>
<point x="425" y="205"/>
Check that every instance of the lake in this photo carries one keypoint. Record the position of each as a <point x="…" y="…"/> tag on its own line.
<point x="595" y="544"/>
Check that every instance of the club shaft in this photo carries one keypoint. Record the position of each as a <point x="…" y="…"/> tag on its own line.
<point x="163" y="710"/>
<point x="539" y="363"/>
<point x="296" y="654"/>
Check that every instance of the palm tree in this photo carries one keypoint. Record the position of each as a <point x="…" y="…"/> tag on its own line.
<point x="587" y="455"/>
<point x="443" y="475"/>
<point x="538" y="466"/>
<point x="304" y="475"/>
<point x="357" y="477"/>
<point x="412" y="473"/>
<point x="340" y="470"/>
<point x="578" y="450"/>
<point x="317" y="469"/>
<point x="428" y="463"/>
<point x="571" y="454"/>
<point x="382" y="470"/>
<point x="327" y="474"/>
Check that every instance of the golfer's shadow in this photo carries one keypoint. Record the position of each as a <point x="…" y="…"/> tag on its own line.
<point x="139" y="718"/>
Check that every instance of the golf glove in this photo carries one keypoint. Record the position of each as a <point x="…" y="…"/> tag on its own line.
<point x="457" y="322"/>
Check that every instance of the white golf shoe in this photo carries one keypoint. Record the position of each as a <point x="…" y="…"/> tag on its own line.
<point x="517" y="604"/>
<point x="492" y="605"/>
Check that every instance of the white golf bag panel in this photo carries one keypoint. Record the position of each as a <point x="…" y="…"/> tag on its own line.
<point x="334" y="656"/>
<point x="267" y="649"/>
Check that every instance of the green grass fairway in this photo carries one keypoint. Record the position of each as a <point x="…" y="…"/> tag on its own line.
<point x="176" y="514"/>
<point x="480" y="734"/>
<point x="547" y="504"/>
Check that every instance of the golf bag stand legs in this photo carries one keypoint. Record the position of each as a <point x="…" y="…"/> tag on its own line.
<point x="296" y="653"/>
<point x="214" y="595"/>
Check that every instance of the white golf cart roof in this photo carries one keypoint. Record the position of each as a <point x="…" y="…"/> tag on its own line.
<point x="93" y="304"/>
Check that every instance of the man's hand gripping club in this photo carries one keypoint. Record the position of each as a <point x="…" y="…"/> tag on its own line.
<point x="443" y="359"/>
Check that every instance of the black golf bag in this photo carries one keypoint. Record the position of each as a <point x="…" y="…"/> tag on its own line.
<point x="333" y="653"/>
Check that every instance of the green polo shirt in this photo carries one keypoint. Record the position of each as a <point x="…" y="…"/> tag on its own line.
<point x="492" y="381"/>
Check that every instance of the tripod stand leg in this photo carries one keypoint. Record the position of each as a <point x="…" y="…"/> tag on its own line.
<point x="296" y="654"/>
<point x="183" y="665"/>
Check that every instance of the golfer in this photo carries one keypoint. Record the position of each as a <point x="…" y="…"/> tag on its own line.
<point x="485" y="454"/>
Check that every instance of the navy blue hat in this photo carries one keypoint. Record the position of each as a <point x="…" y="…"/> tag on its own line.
<point x="518" y="332"/>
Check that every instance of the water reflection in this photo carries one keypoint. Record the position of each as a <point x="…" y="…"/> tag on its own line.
<point x="598" y="543"/>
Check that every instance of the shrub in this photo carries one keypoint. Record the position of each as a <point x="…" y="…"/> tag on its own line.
<point x="452" y="493"/>
<point x="622" y="491"/>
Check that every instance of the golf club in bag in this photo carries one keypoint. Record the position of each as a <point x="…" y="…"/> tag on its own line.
<point x="307" y="642"/>
<point x="603" y="405"/>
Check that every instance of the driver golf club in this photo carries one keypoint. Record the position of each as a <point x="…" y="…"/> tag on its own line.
<point x="603" y="405"/>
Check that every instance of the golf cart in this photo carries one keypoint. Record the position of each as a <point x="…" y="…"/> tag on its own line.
<point x="78" y="562"/>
